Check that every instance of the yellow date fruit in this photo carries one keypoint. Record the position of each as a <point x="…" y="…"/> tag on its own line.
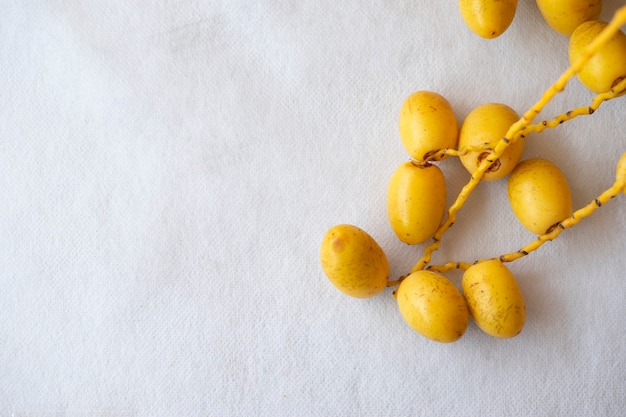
<point x="488" y="18"/>
<point x="564" y="16"/>
<point x="607" y="66"/>
<point x="620" y="171"/>
<point x="494" y="299"/>
<point x="427" y="124"/>
<point x="353" y="261"/>
<point x="486" y="125"/>
<point x="433" y="306"/>
<point x="416" y="201"/>
<point x="539" y="195"/>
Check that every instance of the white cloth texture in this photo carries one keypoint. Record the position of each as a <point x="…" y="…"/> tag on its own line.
<point x="168" y="170"/>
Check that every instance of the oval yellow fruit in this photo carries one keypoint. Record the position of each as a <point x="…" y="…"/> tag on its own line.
<point x="494" y="299"/>
<point x="353" y="261"/>
<point x="433" y="306"/>
<point x="486" y="125"/>
<point x="539" y="195"/>
<point x="564" y="16"/>
<point x="606" y="67"/>
<point x="488" y="18"/>
<point x="620" y="171"/>
<point x="416" y="201"/>
<point x="427" y="124"/>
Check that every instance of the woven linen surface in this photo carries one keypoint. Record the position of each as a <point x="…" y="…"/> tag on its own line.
<point x="168" y="170"/>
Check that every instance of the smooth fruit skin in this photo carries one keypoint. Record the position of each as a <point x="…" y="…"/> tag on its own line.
<point x="416" y="201"/>
<point x="620" y="171"/>
<point x="488" y="18"/>
<point x="539" y="195"/>
<point x="564" y="16"/>
<point x="487" y="124"/>
<point x="353" y="261"/>
<point x="427" y="124"/>
<point x="607" y="66"/>
<point x="494" y="299"/>
<point x="433" y="306"/>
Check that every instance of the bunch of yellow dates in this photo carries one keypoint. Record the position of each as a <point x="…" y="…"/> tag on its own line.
<point x="490" y="145"/>
<point x="491" y="18"/>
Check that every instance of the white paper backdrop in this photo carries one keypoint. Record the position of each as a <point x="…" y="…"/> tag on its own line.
<point x="168" y="169"/>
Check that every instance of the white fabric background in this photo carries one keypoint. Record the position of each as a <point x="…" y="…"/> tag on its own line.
<point x="168" y="169"/>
